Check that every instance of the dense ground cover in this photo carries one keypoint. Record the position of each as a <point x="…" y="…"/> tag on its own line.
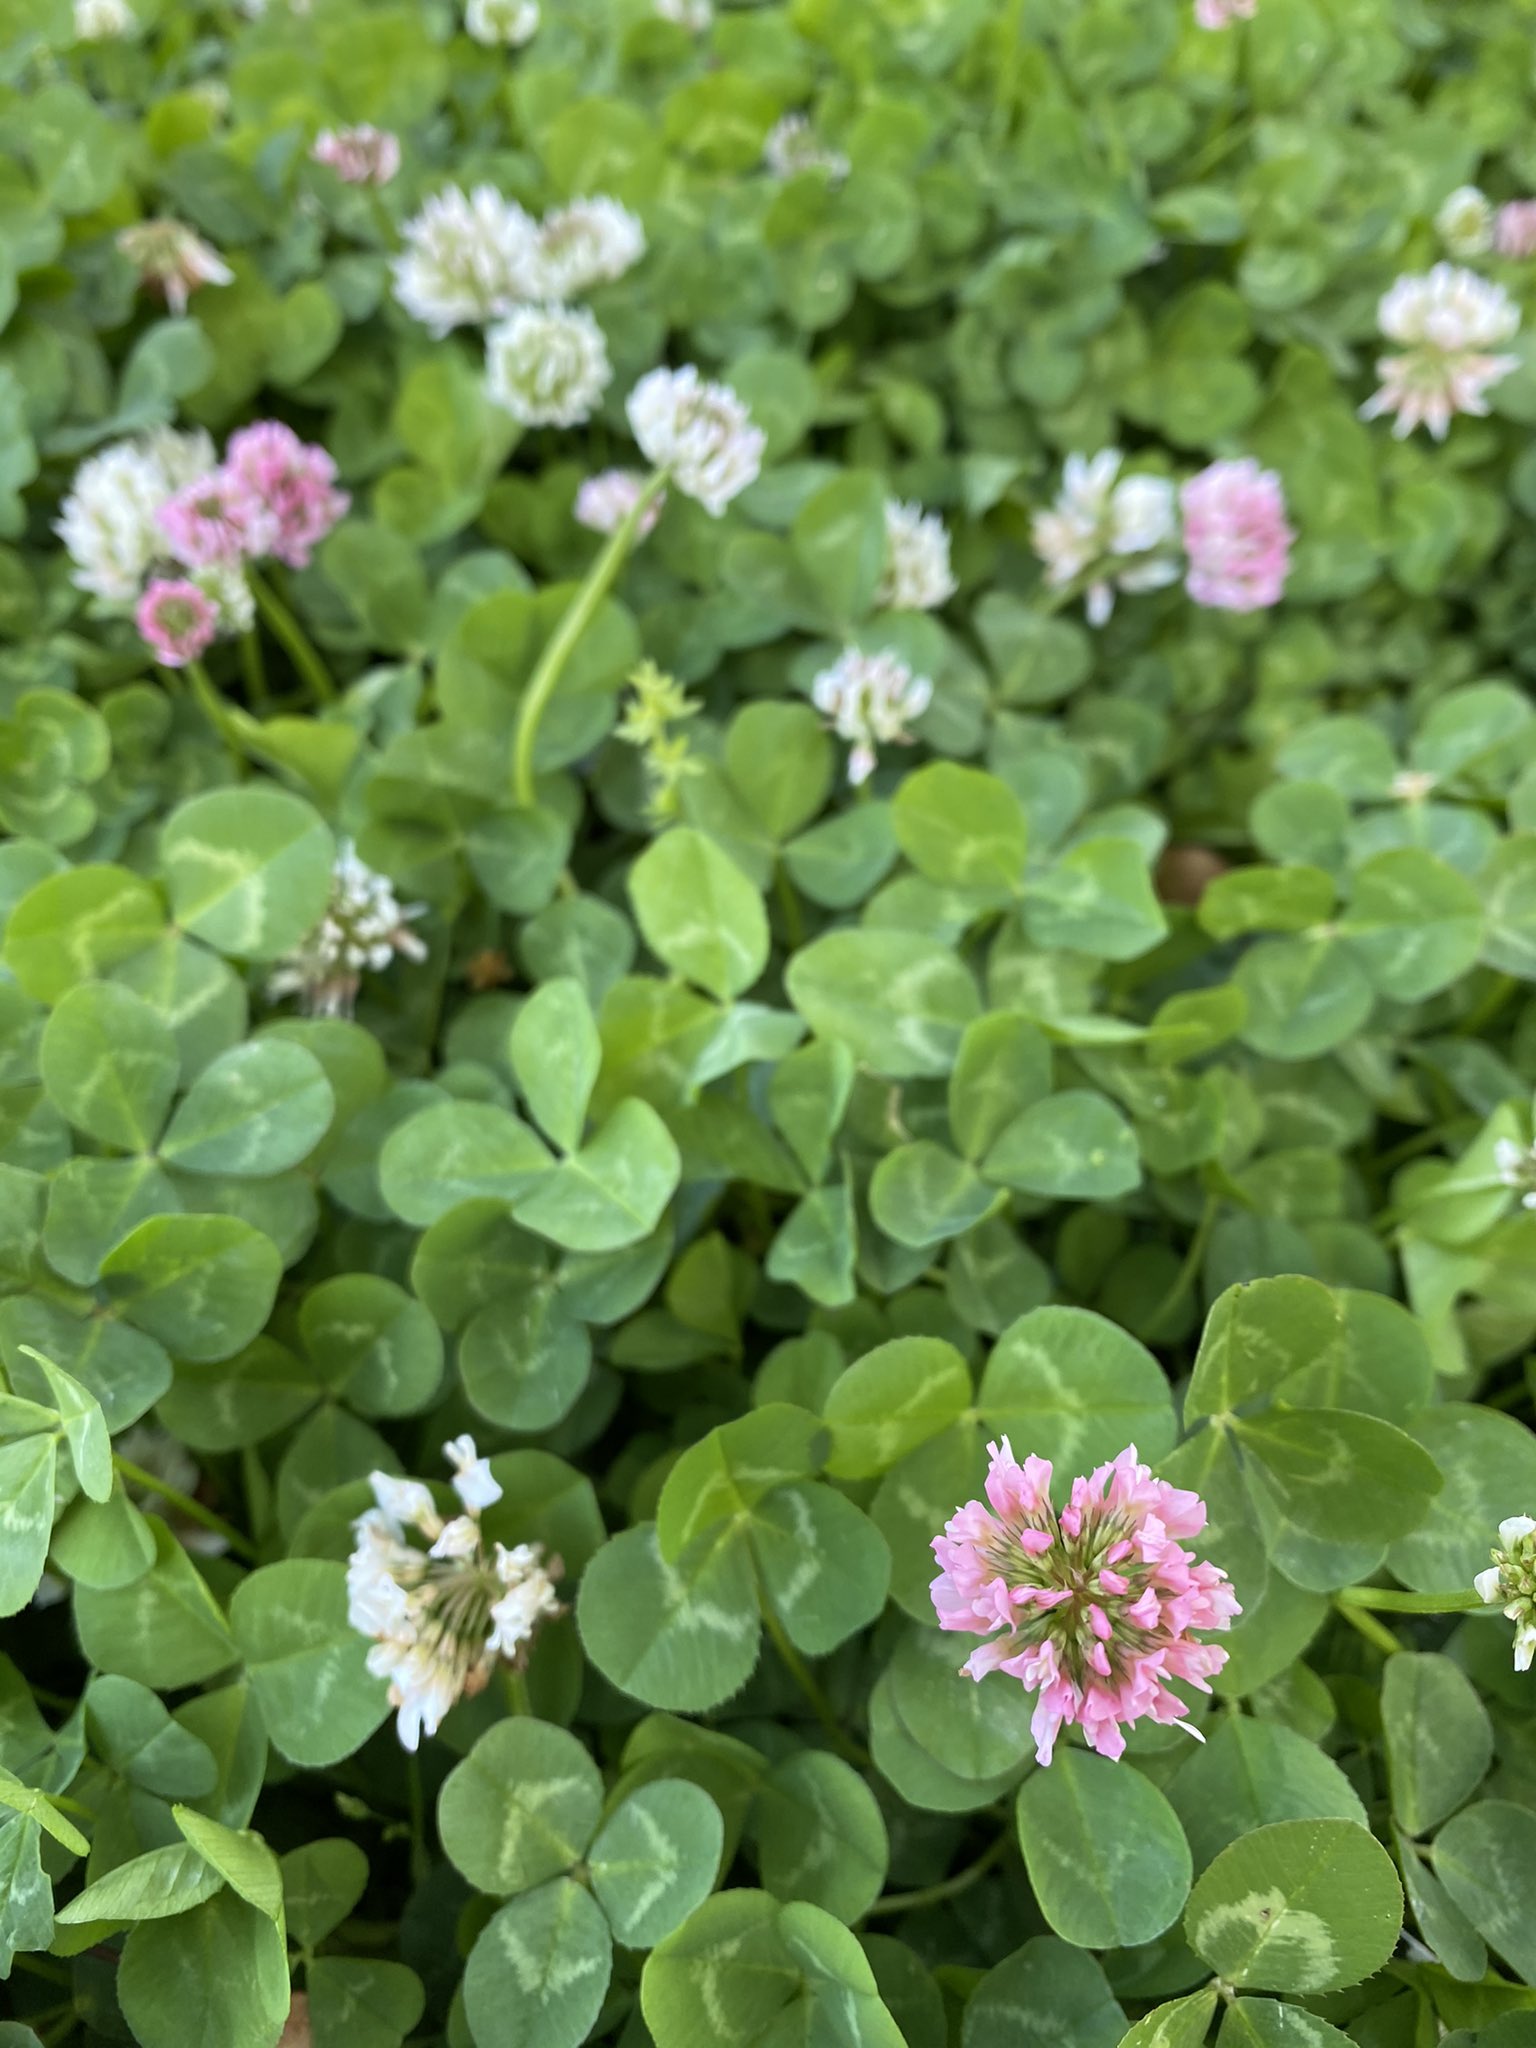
<point x="755" y="764"/>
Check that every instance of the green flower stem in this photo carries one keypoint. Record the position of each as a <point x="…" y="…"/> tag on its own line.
<point x="215" y="710"/>
<point x="1390" y="1600"/>
<point x="421" y="1861"/>
<point x="255" y="672"/>
<point x="1369" y="1627"/>
<point x="579" y="614"/>
<point x="293" y="639"/>
<point x="950" y="1888"/>
<point x="800" y="1671"/>
<point x="185" y="1505"/>
<point x="516" y="1686"/>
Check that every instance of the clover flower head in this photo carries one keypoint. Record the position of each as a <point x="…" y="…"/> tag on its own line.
<point x="1092" y="1608"/>
<point x="790" y="147"/>
<point x="1413" y="785"/>
<point x="1449" y="323"/>
<point x="364" y="929"/>
<point x="102" y="21"/>
<point x="870" y="700"/>
<point x="1465" y="223"/>
<point x="588" y="242"/>
<point x="294" y="483"/>
<point x="444" y="1611"/>
<point x="1236" y="536"/>
<point x="173" y="259"/>
<point x="468" y="257"/>
<point x="216" y="518"/>
<point x="693" y="15"/>
<point x="1111" y="531"/>
<point x="700" y="433"/>
<point x="605" y="501"/>
<point x="547" y="365"/>
<point x="510" y="23"/>
<point x="224" y="585"/>
<point x="1514" y="229"/>
<point x="109" y="522"/>
<point x="1510" y="1582"/>
<point x="1219" y="14"/>
<point x="363" y="155"/>
<point x="176" y="620"/>
<point x="917" y="575"/>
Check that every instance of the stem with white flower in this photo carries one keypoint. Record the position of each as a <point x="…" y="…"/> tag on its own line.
<point x="599" y="580"/>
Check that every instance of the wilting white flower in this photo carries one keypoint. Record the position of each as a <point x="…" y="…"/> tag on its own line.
<point x="509" y="22"/>
<point x="109" y="522"/>
<point x="468" y="257"/>
<point x="694" y="15"/>
<point x="442" y="1617"/>
<point x="1412" y="785"/>
<point x="364" y="928"/>
<point x="869" y="700"/>
<point x="699" y="433"/>
<point x="547" y="365"/>
<point x="605" y="501"/>
<point x="1465" y="223"/>
<point x="588" y="242"/>
<point x="100" y="21"/>
<point x="1118" y="533"/>
<point x="472" y="1480"/>
<point x="791" y="145"/>
<point x="1449" y="322"/>
<point x="1510" y="1582"/>
<point x="1515" y="1166"/>
<point x="225" y="583"/>
<point x="172" y="259"/>
<point x="364" y="155"/>
<point x="917" y="576"/>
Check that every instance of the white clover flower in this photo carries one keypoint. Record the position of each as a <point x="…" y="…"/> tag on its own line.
<point x="442" y="1618"/>
<point x="1465" y="223"/>
<point x="917" y="576"/>
<point x="363" y="930"/>
<point x="699" y="433"/>
<point x="1412" y="785"/>
<point x="472" y="1480"/>
<point x="693" y="15"/>
<point x="1116" y="533"/>
<point x="508" y="22"/>
<point x="468" y="257"/>
<point x="791" y="146"/>
<point x="1448" y="322"/>
<point x="547" y="365"/>
<point x="108" y="522"/>
<point x="1510" y="1582"/>
<point x="588" y="242"/>
<point x="869" y="700"/>
<point x="605" y="501"/>
<point x="173" y="259"/>
<point x="102" y="21"/>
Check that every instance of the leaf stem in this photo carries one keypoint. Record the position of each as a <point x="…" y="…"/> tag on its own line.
<point x="578" y="616"/>
<point x="214" y="709"/>
<point x="185" y="1505"/>
<point x="801" y="1673"/>
<point x="1391" y="1600"/>
<point x="1369" y="1627"/>
<point x="1187" y="1274"/>
<point x="293" y="639"/>
<point x="950" y="1888"/>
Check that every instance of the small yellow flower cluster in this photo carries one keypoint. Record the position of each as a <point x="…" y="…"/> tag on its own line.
<point x="659" y="701"/>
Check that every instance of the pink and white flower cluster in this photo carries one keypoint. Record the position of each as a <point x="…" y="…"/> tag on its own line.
<point x="1219" y="14"/>
<point x="364" y="929"/>
<point x="364" y="155"/>
<point x="1108" y="532"/>
<point x="158" y="524"/>
<point x="172" y="259"/>
<point x="443" y="1616"/>
<point x="1092" y="1608"/>
<point x="1450" y="325"/>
